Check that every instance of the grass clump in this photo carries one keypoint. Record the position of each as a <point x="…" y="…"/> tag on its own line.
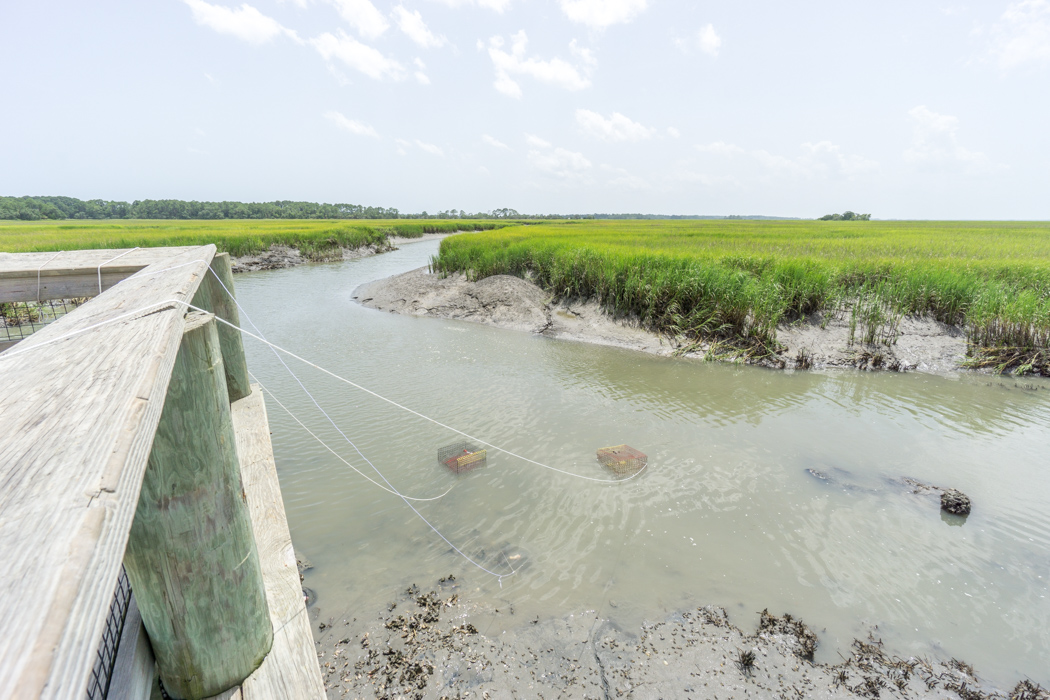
<point x="732" y="283"/>
<point x="317" y="239"/>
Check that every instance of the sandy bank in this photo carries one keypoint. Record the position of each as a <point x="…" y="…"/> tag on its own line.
<point x="282" y="256"/>
<point x="514" y="303"/>
<point x="439" y="644"/>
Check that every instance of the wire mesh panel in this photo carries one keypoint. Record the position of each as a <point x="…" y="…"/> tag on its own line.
<point x="462" y="457"/>
<point x="102" y="673"/>
<point x="20" y="319"/>
<point x="622" y="459"/>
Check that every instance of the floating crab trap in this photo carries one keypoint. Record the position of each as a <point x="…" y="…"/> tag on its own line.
<point x="622" y="459"/>
<point x="462" y="457"/>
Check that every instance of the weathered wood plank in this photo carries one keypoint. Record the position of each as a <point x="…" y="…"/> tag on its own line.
<point x="133" y="672"/>
<point x="191" y="555"/>
<point x="291" y="670"/>
<point x="73" y="274"/>
<point x="77" y="419"/>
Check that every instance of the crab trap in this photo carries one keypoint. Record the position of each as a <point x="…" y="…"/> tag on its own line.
<point x="622" y="459"/>
<point x="462" y="457"/>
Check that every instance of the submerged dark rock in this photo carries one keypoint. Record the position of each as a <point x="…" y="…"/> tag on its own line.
<point x="955" y="502"/>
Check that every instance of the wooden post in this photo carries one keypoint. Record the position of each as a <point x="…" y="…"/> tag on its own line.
<point x="212" y="297"/>
<point x="191" y="555"/>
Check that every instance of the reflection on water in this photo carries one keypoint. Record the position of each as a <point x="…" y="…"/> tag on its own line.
<point x="727" y="512"/>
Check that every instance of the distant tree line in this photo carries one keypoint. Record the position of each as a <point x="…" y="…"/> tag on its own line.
<point x="37" y="208"/>
<point x="846" y="216"/>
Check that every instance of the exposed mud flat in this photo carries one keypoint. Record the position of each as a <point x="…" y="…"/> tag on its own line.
<point x="438" y="645"/>
<point x="511" y="302"/>
<point x="281" y="256"/>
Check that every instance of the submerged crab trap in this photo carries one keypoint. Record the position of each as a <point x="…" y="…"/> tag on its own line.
<point x="622" y="459"/>
<point x="462" y="457"/>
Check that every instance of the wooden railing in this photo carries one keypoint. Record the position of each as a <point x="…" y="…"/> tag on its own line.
<point x="129" y="433"/>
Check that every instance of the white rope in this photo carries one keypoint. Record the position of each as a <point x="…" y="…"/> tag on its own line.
<point x="108" y="262"/>
<point x="277" y="349"/>
<point x="313" y="399"/>
<point x="38" y="273"/>
<point x="337" y="455"/>
<point x="404" y="498"/>
<point x="19" y="349"/>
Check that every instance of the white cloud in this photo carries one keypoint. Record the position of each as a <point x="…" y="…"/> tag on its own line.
<point x="615" y="128"/>
<point x="825" y="158"/>
<point x="555" y="71"/>
<point x="708" y="40"/>
<point x="536" y="141"/>
<point x="585" y="55"/>
<point x="357" y="56"/>
<point x="430" y="148"/>
<point x="817" y="160"/>
<point x="340" y="76"/>
<point x="1022" y="34"/>
<point x="935" y="140"/>
<point x="599" y="14"/>
<point x="245" y="22"/>
<point x="494" y="142"/>
<point x="402" y="146"/>
<point x="559" y="162"/>
<point x="673" y="132"/>
<point x="351" y="125"/>
<point x="421" y="77"/>
<point x="497" y="5"/>
<point x="412" y="24"/>
<point x="363" y="16"/>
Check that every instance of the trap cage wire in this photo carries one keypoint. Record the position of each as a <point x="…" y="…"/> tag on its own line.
<point x="622" y="460"/>
<point x="462" y="457"/>
<point x="106" y="658"/>
<point x="20" y="319"/>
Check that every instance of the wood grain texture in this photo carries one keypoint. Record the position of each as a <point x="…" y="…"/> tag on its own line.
<point x="77" y="419"/>
<point x="291" y="670"/>
<point x="191" y="555"/>
<point x="73" y="274"/>
<point x="212" y="295"/>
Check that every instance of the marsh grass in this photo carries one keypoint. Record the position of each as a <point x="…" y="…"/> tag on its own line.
<point x="316" y="239"/>
<point x="731" y="284"/>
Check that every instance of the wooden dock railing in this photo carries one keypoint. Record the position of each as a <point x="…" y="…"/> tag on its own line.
<point x="129" y="433"/>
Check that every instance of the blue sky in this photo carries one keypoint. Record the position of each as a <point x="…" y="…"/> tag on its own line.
<point x="902" y="109"/>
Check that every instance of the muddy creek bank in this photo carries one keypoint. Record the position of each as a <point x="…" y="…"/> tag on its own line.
<point x="511" y="302"/>
<point x="726" y="514"/>
<point x="436" y="644"/>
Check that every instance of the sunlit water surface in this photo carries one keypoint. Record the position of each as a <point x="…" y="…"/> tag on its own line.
<point x="726" y="512"/>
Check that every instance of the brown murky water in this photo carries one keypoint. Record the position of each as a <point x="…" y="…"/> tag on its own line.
<point x="726" y="513"/>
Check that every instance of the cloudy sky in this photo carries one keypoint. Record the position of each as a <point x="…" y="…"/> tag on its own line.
<point x="917" y="108"/>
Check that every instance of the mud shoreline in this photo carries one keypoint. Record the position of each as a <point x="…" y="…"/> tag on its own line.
<point x="436" y="643"/>
<point x="509" y="302"/>
<point x="278" y="257"/>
